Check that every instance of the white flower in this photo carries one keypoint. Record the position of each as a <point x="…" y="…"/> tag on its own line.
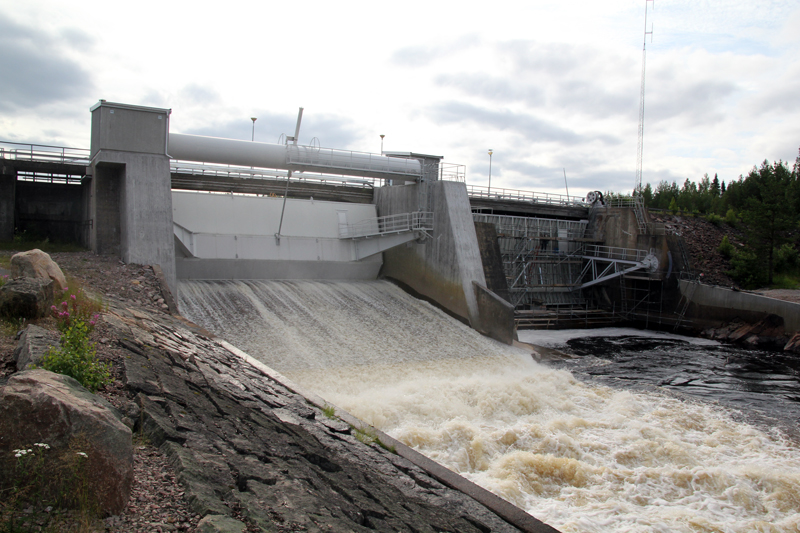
<point x="82" y="454"/>
<point x="42" y="445"/>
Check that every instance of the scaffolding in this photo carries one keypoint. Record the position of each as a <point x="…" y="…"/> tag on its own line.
<point x="560" y="275"/>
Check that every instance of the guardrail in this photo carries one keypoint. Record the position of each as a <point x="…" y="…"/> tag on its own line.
<point x="232" y="171"/>
<point x="517" y="195"/>
<point x="388" y="225"/>
<point x="44" y="153"/>
<point x="614" y="254"/>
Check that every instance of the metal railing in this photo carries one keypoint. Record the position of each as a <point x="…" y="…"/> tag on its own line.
<point x="387" y="225"/>
<point x="44" y="153"/>
<point x="613" y="253"/>
<point x="517" y="195"/>
<point x="452" y="172"/>
<point x="233" y="171"/>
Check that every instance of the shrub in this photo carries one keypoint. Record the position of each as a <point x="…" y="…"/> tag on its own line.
<point x="714" y="219"/>
<point x="748" y="269"/>
<point x="786" y="258"/>
<point x="77" y="358"/>
<point x="725" y="248"/>
<point x="730" y="217"/>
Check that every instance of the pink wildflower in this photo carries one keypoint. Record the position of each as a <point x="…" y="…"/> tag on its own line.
<point x="73" y="297"/>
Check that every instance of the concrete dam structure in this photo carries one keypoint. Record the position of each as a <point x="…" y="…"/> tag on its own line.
<point x="211" y="209"/>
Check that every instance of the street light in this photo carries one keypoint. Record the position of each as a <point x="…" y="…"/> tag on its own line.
<point x="253" y="138"/>
<point x="382" y="136"/>
<point x="490" y="170"/>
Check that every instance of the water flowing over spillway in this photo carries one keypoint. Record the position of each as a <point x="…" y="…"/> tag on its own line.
<point x="579" y="456"/>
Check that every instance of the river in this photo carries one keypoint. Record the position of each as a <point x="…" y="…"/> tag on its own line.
<point x="594" y="443"/>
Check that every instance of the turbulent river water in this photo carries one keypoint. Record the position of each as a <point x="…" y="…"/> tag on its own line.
<point x="597" y="443"/>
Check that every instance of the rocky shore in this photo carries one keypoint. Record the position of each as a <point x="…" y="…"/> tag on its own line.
<point x="225" y="444"/>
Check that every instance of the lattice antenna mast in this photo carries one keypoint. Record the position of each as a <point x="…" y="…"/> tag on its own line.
<point x="637" y="189"/>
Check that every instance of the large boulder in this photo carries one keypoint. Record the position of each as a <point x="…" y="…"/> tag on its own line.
<point x="33" y="345"/>
<point x="26" y="298"/>
<point x="37" y="264"/>
<point x="37" y="406"/>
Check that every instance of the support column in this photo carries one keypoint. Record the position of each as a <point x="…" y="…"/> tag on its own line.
<point x="8" y="198"/>
<point x="131" y="204"/>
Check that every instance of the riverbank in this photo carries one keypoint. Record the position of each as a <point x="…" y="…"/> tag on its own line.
<point x="241" y="443"/>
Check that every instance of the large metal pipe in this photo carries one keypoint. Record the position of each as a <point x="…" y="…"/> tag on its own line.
<point x="292" y="157"/>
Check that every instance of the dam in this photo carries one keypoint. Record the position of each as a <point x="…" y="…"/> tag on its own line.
<point x="286" y="250"/>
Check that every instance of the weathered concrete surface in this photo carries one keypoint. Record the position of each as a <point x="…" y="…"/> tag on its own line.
<point x="492" y="259"/>
<point x="497" y="315"/>
<point x="38" y="406"/>
<point x="443" y="268"/>
<point x="131" y="203"/>
<point x="714" y="305"/>
<point x="8" y="195"/>
<point x="240" y="438"/>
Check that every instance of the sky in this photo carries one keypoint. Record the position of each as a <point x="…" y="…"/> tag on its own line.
<point x="551" y="87"/>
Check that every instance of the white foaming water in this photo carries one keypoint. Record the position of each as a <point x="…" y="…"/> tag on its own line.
<point x="578" y="456"/>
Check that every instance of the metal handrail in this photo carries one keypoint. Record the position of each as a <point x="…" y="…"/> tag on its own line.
<point x="44" y="153"/>
<point x="495" y="193"/>
<point x="233" y="171"/>
<point x="614" y="253"/>
<point x="386" y="225"/>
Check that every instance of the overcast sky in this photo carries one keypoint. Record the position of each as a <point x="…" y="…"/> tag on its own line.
<point x="548" y="85"/>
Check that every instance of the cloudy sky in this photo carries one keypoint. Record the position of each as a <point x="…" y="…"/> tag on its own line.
<point x="550" y="86"/>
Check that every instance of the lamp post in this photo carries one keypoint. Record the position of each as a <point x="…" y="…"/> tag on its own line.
<point x="490" y="170"/>
<point x="253" y="137"/>
<point x="382" y="136"/>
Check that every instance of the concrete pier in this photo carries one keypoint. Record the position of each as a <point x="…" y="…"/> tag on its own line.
<point x="131" y="204"/>
<point x="446" y="268"/>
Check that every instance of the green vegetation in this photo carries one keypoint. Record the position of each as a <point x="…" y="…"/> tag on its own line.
<point x="765" y="205"/>
<point x="76" y="317"/>
<point x="329" y="411"/>
<point x="41" y="482"/>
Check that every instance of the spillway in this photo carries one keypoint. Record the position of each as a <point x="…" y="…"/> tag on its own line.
<point x="579" y="456"/>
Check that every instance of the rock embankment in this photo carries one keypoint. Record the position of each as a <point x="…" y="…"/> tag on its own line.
<point x="245" y="445"/>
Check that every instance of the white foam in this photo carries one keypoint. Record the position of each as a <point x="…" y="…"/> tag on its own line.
<point x="578" y="456"/>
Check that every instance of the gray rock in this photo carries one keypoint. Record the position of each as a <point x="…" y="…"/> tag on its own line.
<point x="37" y="264"/>
<point x="38" y="406"/>
<point x="220" y="524"/>
<point x="33" y="345"/>
<point x="26" y="298"/>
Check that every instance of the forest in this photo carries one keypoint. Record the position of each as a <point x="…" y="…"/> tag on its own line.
<point x="764" y="205"/>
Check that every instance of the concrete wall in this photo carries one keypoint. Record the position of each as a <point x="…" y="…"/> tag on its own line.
<point x="8" y="181"/>
<point x="714" y="305"/>
<point x="443" y="268"/>
<point x="131" y="204"/>
<point x="233" y="237"/>
<point x="50" y="211"/>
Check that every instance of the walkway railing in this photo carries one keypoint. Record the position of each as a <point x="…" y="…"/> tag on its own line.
<point x="613" y="253"/>
<point x="496" y="193"/>
<point x="232" y="171"/>
<point x="44" y="153"/>
<point x="387" y="225"/>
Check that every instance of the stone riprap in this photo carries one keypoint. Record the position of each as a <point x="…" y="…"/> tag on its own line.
<point x="247" y="446"/>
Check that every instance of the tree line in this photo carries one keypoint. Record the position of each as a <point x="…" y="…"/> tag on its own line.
<point x="765" y="205"/>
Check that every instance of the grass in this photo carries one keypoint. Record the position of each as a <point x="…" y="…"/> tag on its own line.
<point x="329" y="411"/>
<point x="18" y="245"/>
<point x="367" y="436"/>
<point x="785" y="281"/>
